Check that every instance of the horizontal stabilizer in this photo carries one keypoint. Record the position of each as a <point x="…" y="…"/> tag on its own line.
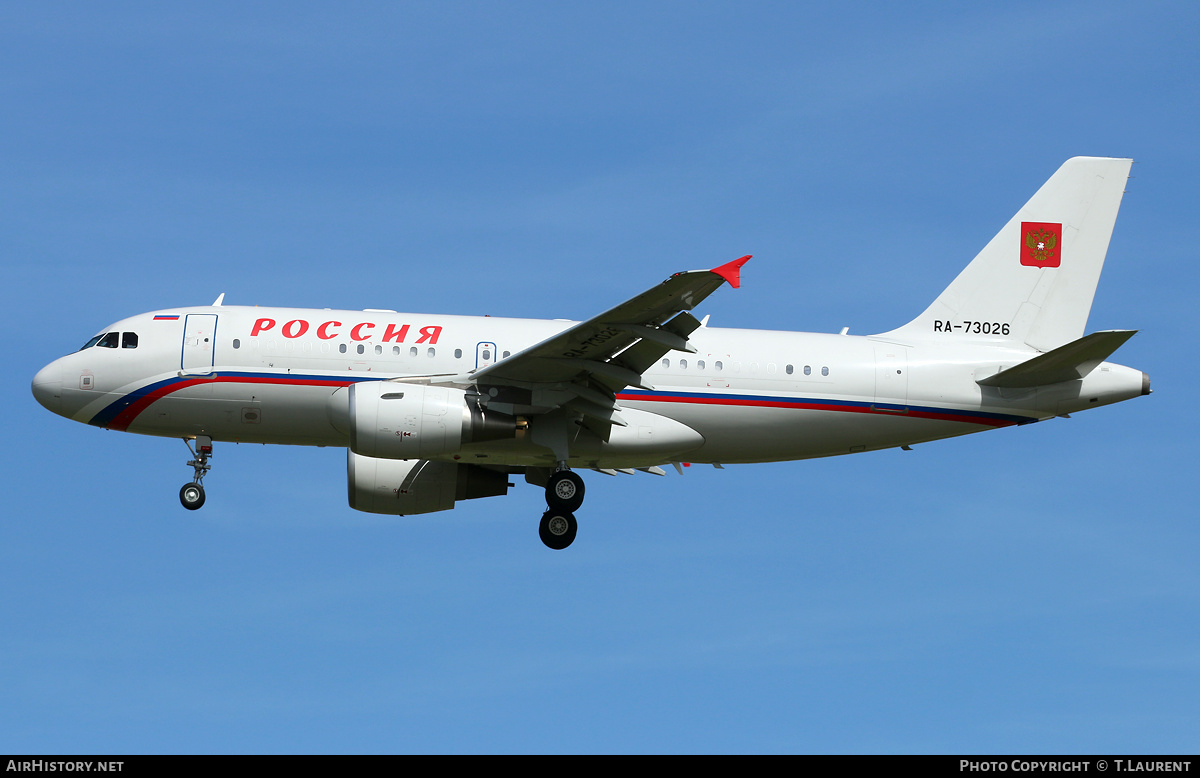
<point x="1065" y="363"/>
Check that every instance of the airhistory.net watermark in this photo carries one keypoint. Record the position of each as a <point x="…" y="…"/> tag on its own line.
<point x="61" y="766"/>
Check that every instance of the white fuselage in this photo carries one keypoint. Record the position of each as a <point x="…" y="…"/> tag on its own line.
<point x="279" y="375"/>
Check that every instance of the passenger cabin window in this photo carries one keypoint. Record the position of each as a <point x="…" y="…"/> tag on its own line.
<point x="237" y="343"/>
<point x="412" y="352"/>
<point x="111" y="340"/>
<point x="788" y="369"/>
<point x="824" y="371"/>
<point x="665" y="362"/>
<point x="458" y="353"/>
<point x="342" y="347"/>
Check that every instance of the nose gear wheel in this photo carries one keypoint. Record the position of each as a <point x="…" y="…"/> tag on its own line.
<point x="192" y="496"/>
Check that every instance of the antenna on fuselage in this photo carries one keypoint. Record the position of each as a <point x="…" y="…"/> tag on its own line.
<point x="217" y="302"/>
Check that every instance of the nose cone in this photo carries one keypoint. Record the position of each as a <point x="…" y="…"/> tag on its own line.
<point x="47" y="387"/>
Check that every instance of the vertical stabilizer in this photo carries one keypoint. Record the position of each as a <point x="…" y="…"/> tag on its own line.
<point x="1034" y="282"/>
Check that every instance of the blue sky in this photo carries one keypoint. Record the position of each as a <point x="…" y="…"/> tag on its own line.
<point x="1027" y="590"/>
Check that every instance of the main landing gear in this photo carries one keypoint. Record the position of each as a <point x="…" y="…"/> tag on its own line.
<point x="192" y="495"/>
<point x="564" y="495"/>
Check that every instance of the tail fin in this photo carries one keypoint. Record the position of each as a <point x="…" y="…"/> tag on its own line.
<point x="1034" y="282"/>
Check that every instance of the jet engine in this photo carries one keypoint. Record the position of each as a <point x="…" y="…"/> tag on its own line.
<point x="392" y="420"/>
<point x="408" y="486"/>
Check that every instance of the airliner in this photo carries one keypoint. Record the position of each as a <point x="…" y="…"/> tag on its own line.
<point x="433" y="409"/>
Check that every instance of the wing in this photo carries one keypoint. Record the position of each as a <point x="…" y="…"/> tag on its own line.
<point x="590" y="362"/>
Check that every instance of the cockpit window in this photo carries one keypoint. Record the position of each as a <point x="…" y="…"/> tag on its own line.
<point x="93" y="341"/>
<point x="110" y="340"/>
<point x="129" y="340"/>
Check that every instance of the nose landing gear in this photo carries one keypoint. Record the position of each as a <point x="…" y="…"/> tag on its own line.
<point x="564" y="495"/>
<point x="192" y="495"/>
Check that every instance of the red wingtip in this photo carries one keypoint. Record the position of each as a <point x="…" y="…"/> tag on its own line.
<point x="732" y="271"/>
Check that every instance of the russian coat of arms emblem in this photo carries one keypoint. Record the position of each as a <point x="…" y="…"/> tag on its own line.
<point x="1041" y="244"/>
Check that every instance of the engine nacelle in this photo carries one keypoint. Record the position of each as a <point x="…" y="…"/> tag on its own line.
<point x="392" y="420"/>
<point x="407" y="486"/>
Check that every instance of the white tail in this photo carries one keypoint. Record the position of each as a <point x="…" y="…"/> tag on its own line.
<point x="1034" y="282"/>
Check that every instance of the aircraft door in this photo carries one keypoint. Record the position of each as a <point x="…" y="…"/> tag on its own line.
<point x="891" y="378"/>
<point x="199" y="343"/>
<point x="485" y="354"/>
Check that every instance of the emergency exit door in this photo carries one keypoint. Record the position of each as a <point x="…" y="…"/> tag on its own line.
<point x="485" y="354"/>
